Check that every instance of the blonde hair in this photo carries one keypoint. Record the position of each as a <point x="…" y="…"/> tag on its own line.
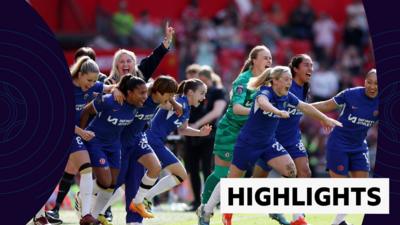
<point x="267" y="76"/>
<point x="114" y="74"/>
<point x="84" y="65"/>
<point x="372" y="71"/>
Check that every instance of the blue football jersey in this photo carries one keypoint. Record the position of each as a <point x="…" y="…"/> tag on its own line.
<point x="142" y="117"/>
<point x="84" y="97"/>
<point x="111" y="118"/>
<point x="358" y="114"/>
<point x="166" y="121"/>
<point x="261" y="126"/>
<point x="288" y="131"/>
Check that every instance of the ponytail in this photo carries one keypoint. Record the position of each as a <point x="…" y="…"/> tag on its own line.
<point x="84" y="65"/>
<point x="190" y="84"/>
<point x="267" y="77"/>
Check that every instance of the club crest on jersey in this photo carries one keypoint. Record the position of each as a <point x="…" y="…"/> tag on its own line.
<point x="375" y="113"/>
<point x="239" y="89"/>
<point x="85" y="96"/>
<point x="102" y="161"/>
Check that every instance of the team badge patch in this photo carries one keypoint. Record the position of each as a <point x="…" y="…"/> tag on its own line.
<point x="239" y="89"/>
<point x="376" y="113"/>
<point x="102" y="161"/>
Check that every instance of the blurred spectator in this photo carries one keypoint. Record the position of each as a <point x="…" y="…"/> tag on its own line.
<point x="324" y="83"/>
<point x="228" y="36"/>
<point x="122" y="24"/>
<point x="324" y="36"/>
<point x="205" y="50"/>
<point x="276" y="15"/>
<point x="352" y="61"/>
<point x="146" y="33"/>
<point x="301" y="21"/>
<point x="356" y="12"/>
<point x="192" y="71"/>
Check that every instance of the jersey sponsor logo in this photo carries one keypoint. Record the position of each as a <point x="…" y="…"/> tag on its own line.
<point x="360" y="121"/>
<point x="118" y="122"/>
<point x="178" y="123"/>
<point x="144" y="117"/>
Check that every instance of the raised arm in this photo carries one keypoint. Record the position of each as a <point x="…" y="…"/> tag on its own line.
<point x="149" y="64"/>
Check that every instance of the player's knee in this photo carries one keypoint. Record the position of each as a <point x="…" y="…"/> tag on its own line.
<point x="304" y="172"/>
<point x="85" y="168"/>
<point x="154" y="170"/>
<point x="290" y="170"/>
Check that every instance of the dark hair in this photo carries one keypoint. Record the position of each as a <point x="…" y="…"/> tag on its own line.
<point x="294" y="63"/>
<point x="84" y="65"/>
<point x="252" y="55"/>
<point x="85" y="51"/>
<point x="191" y="84"/>
<point x="129" y="83"/>
<point x="164" y="84"/>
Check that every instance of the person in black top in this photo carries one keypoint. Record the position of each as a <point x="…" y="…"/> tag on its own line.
<point x="199" y="149"/>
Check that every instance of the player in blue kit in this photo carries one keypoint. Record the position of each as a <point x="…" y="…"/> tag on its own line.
<point x="346" y="149"/>
<point x="191" y="92"/>
<point x="105" y="147"/>
<point x="135" y="148"/>
<point x="255" y="141"/>
<point x="288" y="131"/>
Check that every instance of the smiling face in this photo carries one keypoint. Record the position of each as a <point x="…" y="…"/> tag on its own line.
<point x="371" y="85"/>
<point x="137" y="96"/>
<point x="263" y="60"/>
<point x="196" y="97"/>
<point x="125" y="64"/>
<point x="304" y="70"/>
<point x="86" y="80"/>
<point x="282" y="84"/>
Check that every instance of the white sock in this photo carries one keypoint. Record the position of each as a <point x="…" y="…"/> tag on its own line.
<point x="165" y="184"/>
<point x="339" y="218"/>
<point x="101" y="200"/>
<point x="213" y="200"/>
<point x="145" y="186"/>
<point x="297" y="215"/>
<point x="96" y="189"/>
<point x="117" y="195"/>
<point x="40" y="213"/>
<point x="85" y="192"/>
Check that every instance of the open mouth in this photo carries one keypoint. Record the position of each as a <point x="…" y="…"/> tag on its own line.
<point x="308" y="75"/>
<point x="125" y="71"/>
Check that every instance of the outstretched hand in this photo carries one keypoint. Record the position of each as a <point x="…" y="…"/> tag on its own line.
<point x="205" y="130"/>
<point x="330" y="123"/>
